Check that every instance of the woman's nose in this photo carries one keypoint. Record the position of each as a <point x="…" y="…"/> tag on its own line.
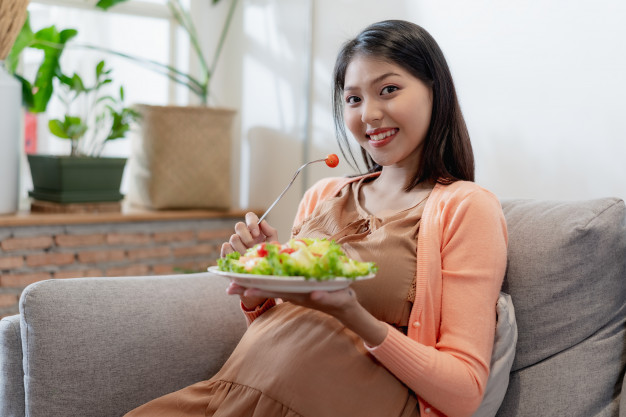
<point x="371" y="112"/>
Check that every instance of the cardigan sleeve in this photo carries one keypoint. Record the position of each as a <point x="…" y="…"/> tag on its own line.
<point x="450" y="373"/>
<point x="252" y="315"/>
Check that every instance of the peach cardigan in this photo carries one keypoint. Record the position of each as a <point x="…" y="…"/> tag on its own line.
<point x="461" y="261"/>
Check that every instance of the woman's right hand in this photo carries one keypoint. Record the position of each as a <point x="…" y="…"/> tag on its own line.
<point x="249" y="234"/>
<point x="246" y="236"/>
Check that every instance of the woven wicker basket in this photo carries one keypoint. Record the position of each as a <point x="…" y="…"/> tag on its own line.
<point x="12" y="18"/>
<point x="182" y="159"/>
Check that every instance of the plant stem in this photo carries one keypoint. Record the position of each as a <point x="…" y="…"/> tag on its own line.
<point x="172" y="73"/>
<point x="184" y="19"/>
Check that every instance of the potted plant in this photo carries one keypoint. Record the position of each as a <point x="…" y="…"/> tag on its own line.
<point x="92" y="118"/>
<point x="183" y="158"/>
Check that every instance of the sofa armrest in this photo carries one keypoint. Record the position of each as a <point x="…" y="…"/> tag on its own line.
<point x="103" y="346"/>
<point x="11" y="373"/>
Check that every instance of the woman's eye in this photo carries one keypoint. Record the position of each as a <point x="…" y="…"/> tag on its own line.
<point x="389" y="89"/>
<point x="352" y="99"/>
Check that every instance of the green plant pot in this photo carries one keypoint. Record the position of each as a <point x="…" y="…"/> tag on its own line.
<point x="65" y="179"/>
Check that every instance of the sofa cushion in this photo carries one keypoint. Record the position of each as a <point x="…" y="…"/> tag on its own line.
<point x="11" y="374"/>
<point x="501" y="359"/>
<point x="103" y="346"/>
<point x="566" y="275"/>
<point x="622" y="401"/>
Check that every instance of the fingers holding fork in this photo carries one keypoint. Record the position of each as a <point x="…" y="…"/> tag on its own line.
<point x="249" y="234"/>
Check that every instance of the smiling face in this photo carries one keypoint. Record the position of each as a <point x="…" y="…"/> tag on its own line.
<point x="388" y="111"/>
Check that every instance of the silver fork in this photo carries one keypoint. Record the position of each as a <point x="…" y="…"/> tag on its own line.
<point x="288" y="186"/>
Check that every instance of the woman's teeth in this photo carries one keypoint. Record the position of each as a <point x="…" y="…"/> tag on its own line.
<point x="383" y="135"/>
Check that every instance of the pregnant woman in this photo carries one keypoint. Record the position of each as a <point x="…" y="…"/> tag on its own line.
<point x="415" y="340"/>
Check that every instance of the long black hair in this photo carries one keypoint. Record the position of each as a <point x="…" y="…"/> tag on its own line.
<point x="448" y="154"/>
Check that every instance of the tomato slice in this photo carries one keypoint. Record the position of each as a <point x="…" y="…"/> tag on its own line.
<point x="262" y="252"/>
<point x="332" y="160"/>
<point x="287" y="250"/>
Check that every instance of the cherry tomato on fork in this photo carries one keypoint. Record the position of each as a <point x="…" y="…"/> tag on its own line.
<point x="332" y="160"/>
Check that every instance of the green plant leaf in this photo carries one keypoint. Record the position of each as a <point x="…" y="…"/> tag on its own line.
<point x="104" y="82"/>
<point x="121" y="121"/>
<point x="57" y="129"/>
<point x="74" y="83"/>
<point x="23" y="40"/>
<point x="107" y="4"/>
<point x="52" y="43"/>
<point x="72" y="127"/>
<point x="172" y="73"/>
<point x="119" y="128"/>
<point x="77" y="84"/>
<point x="106" y="98"/>
<point x="46" y="38"/>
<point x="43" y="86"/>
<point x="99" y="68"/>
<point x="76" y="131"/>
<point x="64" y="79"/>
<point x="66" y="35"/>
<point x="27" y="91"/>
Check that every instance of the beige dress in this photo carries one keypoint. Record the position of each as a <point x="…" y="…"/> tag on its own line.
<point x="298" y="362"/>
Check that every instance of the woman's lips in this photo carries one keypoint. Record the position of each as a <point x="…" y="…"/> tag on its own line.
<point x="380" y="137"/>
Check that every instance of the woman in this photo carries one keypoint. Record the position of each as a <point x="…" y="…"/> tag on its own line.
<point x="417" y="339"/>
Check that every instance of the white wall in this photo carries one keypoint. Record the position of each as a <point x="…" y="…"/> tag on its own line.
<point x="275" y="38"/>
<point x="541" y="85"/>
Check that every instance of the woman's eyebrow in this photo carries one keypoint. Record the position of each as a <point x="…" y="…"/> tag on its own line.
<point x="375" y="80"/>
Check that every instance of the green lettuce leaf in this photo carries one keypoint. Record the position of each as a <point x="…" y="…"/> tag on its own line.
<point x="319" y="259"/>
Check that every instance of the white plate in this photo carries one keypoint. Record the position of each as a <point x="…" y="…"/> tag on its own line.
<point x="287" y="284"/>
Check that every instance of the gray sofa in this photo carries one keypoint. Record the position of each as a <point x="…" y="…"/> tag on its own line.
<point x="102" y="346"/>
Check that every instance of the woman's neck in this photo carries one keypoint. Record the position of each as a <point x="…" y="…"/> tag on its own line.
<point x="386" y="194"/>
<point x="394" y="178"/>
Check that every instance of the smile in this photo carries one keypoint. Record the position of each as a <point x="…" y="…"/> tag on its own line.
<point x="382" y="135"/>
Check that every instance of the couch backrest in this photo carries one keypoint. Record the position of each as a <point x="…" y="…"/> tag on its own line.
<point x="566" y="275"/>
<point x="11" y="374"/>
<point x="103" y="346"/>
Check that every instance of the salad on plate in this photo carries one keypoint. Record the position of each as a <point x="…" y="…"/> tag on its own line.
<point x="316" y="259"/>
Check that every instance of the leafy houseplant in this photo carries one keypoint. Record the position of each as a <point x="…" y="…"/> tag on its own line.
<point x="92" y="119"/>
<point x="84" y="176"/>
<point x="183" y="148"/>
<point x="105" y="114"/>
